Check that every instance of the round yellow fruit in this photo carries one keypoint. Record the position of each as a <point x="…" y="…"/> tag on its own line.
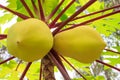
<point x="82" y="43"/>
<point x="29" y="39"/>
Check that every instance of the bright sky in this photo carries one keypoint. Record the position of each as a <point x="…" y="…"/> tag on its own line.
<point x="7" y="24"/>
<point x="3" y="2"/>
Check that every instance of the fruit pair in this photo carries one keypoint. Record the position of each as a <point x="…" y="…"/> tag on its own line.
<point x="31" y="40"/>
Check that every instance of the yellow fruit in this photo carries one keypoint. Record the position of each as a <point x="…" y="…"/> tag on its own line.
<point x="82" y="43"/>
<point x="29" y="40"/>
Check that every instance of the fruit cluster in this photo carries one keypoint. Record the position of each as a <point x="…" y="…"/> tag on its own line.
<point x="31" y="39"/>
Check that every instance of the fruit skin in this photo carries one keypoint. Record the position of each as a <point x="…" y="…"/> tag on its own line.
<point x="29" y="40"/>
<point x="82" y="43"/>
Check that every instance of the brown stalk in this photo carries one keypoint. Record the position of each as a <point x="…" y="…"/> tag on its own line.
<point x="73" y="67"/>
<point x="88" y="15"/>
<point x="112" y="51"/>
<point x="91" y="20"/>
<point x="25" y="71"/>
<point x="27" y="8"/>
<point x="7" y="60"/>
<point x="41" y="11"/>
<point x="40" y="77"/>
<point x="14" y="12"/>
<point x="57" y="57"/>
<point x="55" y="10"/>
<point x="59" y="66"/>
<point x="73" y="16"/>
<point x="55" y="54"/>
<point x="35" y="8"/>
<point x="108" y="65"/>
<point x="93" y="13"/>
<point x="3" y="36"/>
<point x="18" y="65"/>
<point x="61" y="13"/>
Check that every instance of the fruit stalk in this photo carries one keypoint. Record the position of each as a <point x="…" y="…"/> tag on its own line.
<point x="48" y="66"/>
<point x="88" y="15"/>
<point x="18" y="65"/>
<point x="59" y="66"/>
<point x="35" y="8"/>
<point x="61" y="13"/>
<point x="73" y="67"/>
<point x="40" y="77"/>
<point x="112" y="51"/>
<point x="57" y="57"/>
<point x="73" y="16"/>
<point x="25" y="71"/>
<point x="108" y="65"/>
<point x="14" y="12"/>
<point x="97" y="18"/>
<point x="27" y="8"/>
<point x="55" y="10"/>
<point x="41" y="11"/>
<point x="92" y="20"/>
<point x="54" y="53"/>
<point x="93" y="13"/>
<point x="7" y="60"/>
<point x="3" y="36"/>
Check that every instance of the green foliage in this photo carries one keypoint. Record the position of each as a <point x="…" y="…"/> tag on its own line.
<point x="106" y="26"/>
<point x="49" y="5"/>
<point x="6" y="18"/>
<point x="8" y="71"/>
<point x="118" y="48"/>
<point x="34" y="71"/>
<point x="19" y="5"/>
<point x="112" y="58"/>
<point x="91" y="78"/>
<point x="12" y="4"/>
<point x="20" y="8"/>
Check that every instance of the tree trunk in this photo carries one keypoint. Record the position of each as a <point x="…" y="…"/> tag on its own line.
<point x="47" y="68"/>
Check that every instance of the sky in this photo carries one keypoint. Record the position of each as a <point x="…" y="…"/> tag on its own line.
<point x="3" y="2"/>
<point x="7" y="24"/>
